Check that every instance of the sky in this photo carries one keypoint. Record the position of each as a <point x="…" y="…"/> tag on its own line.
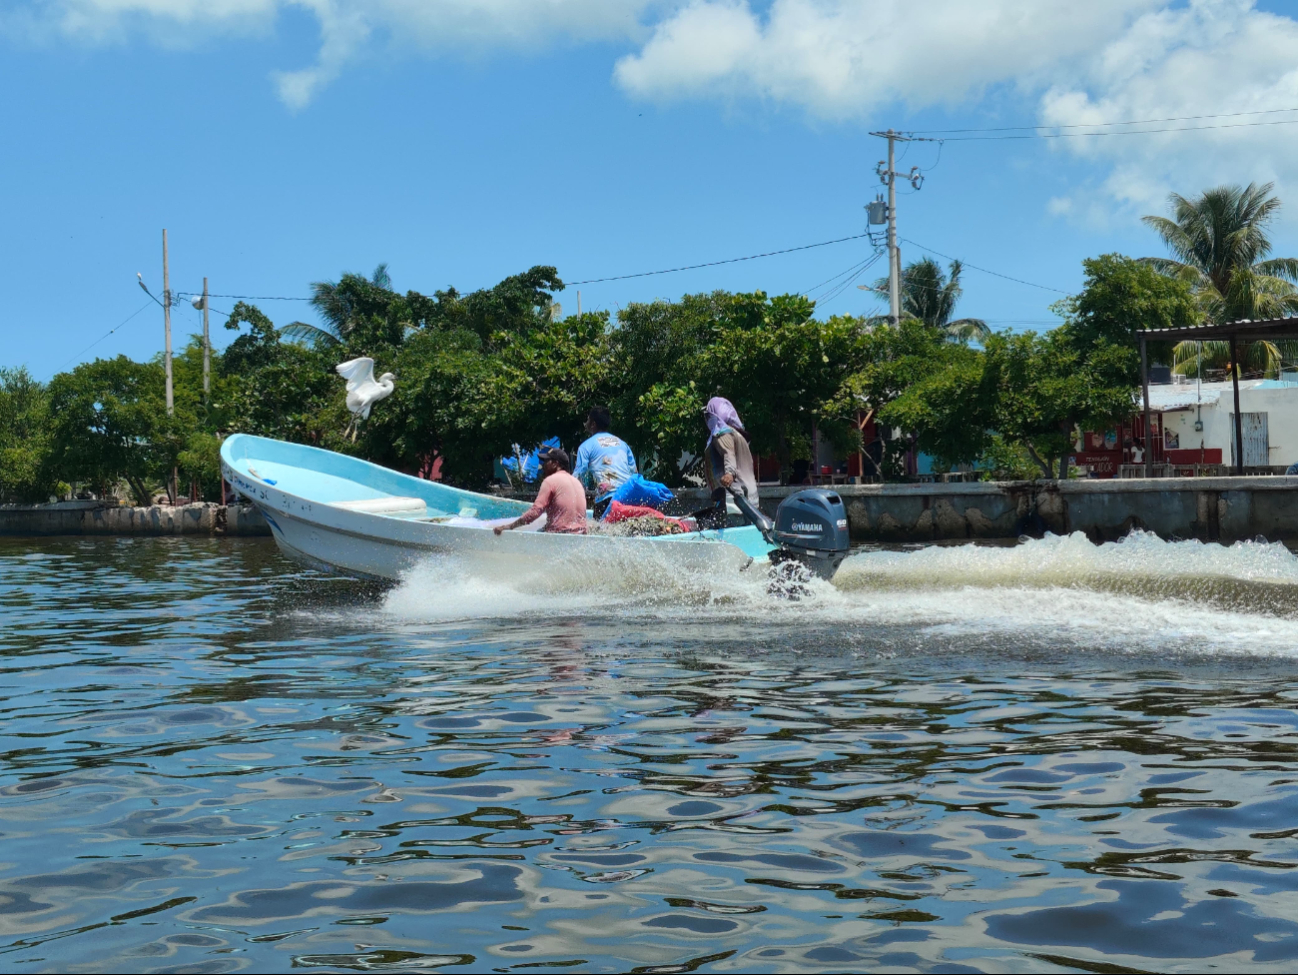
<point x="282" y="142"/>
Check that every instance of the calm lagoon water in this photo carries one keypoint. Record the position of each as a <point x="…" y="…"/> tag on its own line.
<point x="1052" y="757"/>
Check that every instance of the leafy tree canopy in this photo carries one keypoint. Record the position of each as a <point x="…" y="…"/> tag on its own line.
<point x="109" y="422"/>
<point x="25" y="471"/>
<point x="783" y="369"/>
<point x="1120" y="296"/>
<point x="1219" y="244"/>
<point x="930" y="296"/>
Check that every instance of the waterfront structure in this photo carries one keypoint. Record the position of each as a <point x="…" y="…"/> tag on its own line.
<point x="1197" y="423"/>
<point x="1193" y="427"/>
<point x="1235" y="335"/>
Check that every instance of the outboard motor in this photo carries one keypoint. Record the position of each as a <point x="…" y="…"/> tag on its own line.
<point x="810" y="526"/>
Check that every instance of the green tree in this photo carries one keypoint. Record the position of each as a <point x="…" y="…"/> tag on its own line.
<point x="930" y="296"/>
<point x="1053" y="384"/>
<point x="894" y="360"/>
<point x="784" y="370"/>
<point x="25" y="472"/>
<point x="199" y="460"/>
<point x="274" y="388"/>
<point x="480" y="372"/>
<point x="107" y="419"/>
<point x="1219" y="242"/>
<point x="1027" y="394"/>
<point x="657" y="401"/>
<point x="520" y="304"/>
<point x="1121" y="295"/>
<point x="342" y="305"/>
<point x="470" y="404"/>
<point x="949" y="404"/>
<point x="1024" y="392"/>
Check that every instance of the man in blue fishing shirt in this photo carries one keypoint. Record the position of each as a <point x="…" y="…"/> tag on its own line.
<point x="604" y="461"/>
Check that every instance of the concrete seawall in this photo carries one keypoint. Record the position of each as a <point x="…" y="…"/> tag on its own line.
<point x="97" y="518"/>
<point x="1211" y="509"/>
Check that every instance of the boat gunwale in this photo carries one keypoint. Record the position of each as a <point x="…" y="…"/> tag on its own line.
<point x="416" y="532"/>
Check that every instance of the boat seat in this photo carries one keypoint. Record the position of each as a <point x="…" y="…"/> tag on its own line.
<point x="393" y="507"/>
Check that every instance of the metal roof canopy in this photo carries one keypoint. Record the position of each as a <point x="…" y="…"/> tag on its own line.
<point x="1245" y="330"/>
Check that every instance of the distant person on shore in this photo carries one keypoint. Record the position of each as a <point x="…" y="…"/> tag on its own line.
<point x="561" y="498"/>
<point x="604" y="460"/>
<point x="728" y="461"/>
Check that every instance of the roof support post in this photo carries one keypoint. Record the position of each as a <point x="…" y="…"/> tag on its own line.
<point x="1239" y="420"/>
<point x="1144" y="387"/>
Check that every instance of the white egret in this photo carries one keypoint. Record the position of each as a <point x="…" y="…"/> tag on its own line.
<point x="362" y="390"/>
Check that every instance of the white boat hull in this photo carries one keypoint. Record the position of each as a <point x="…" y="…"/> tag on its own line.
<point x="377" y="546"/>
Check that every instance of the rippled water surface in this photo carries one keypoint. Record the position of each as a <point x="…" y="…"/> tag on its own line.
<point x="1051" y="757"/>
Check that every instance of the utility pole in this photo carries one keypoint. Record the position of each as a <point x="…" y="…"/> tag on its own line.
<point x="166" y="322"/>
<point x="207" y="350"/>
<point x="888" y="175"/>
<point x="894" y="259"/>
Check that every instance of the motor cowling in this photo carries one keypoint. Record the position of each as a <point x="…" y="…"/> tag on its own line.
<point x="811" y="526"/>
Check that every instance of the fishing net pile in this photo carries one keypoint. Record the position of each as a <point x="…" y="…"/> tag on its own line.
<point x="641" y="525"/>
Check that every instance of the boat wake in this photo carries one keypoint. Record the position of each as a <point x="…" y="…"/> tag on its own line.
<point x="1139" y="594"/>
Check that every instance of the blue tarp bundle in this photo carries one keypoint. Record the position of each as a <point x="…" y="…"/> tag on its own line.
<point x="531" y="465"/>
<point x="638" y="491"/>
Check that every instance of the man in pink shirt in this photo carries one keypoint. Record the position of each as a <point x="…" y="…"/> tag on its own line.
<point x="561" y="499"/>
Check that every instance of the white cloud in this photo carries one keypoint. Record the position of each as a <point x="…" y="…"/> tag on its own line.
<point x="1207" y="57"/>
<point x="844" y="58"/>
<point x="344" y="30"/>
<point x="1099" y="61"/>
<point x="348" y="28"/>
<point x="165" y="21"/>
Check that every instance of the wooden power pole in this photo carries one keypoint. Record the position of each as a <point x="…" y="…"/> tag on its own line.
<point x="207" y="350"/>
<point x="166" y="323"/>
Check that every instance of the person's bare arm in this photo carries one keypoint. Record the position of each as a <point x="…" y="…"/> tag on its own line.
<point x="532" y="513"/>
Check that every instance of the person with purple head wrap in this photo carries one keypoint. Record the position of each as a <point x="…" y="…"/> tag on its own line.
<point x="728" y="459"/>
<point x="720" y="414"/>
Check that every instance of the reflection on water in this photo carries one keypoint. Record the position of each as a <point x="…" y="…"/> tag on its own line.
<point x="1053" y="757"/>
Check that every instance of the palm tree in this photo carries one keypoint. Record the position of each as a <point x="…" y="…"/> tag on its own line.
<point x="930" y="296"/>
<point x="1219" y="241"/>
<point x="334" y="301"/>
<point x="1263" y="358"/>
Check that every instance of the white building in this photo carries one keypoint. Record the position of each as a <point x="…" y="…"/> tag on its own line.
<point x="1198" y="418"/>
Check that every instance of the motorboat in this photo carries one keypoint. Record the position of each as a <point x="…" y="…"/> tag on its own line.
<point x="348" y="515"/>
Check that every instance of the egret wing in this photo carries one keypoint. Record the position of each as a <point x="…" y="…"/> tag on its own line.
<point x="357" y="372"/>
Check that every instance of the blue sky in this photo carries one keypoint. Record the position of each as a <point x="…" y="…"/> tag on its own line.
<point x="286" y="141"/>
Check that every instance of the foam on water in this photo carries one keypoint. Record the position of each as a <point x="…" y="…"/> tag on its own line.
<point x="1141" y="558"/>
<point x="1139" y="594"/>
<point x="446" y="587"/>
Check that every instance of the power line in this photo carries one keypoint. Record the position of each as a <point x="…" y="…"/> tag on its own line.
<point x="617" y="277"/>
<point x="998" y="274"/>
<point x="105" y="335"/>
<point x="730" y="260"/>
<point x="1097" y="135"/>
<point x="1023" y="321"/>
<point x="197" y="294"/>
<point x="1093" y="125"/>
<point x="843" y="286"/>
<point x="937" y="161"/>
<point x="859" y="265"/>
